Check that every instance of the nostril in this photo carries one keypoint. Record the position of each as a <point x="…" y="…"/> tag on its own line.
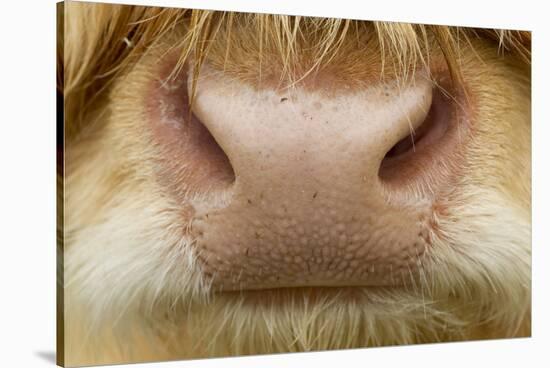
<point x="208" y="156"/>
<point x="189" y="159"/>
<point x="415" y="151"/>
<point x="415" y="136"/>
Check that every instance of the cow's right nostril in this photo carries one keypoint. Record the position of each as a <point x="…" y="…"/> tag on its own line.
<point x="191" y="160"/>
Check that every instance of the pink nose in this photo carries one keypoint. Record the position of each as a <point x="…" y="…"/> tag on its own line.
<point x="323" y="193"/>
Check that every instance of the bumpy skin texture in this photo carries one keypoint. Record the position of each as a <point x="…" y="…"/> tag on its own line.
<point x="270" y="220"/>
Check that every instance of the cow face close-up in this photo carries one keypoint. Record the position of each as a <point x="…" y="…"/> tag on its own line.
<point x="239" y="183"/>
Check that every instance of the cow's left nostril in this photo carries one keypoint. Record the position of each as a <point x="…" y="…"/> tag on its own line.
<point x="410" y="142"/>
<point x="415" y="148"/>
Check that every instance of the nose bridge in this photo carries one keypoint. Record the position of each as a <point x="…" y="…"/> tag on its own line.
<point x="296" y="132"/>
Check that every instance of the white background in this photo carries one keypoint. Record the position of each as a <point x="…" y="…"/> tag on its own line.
<point x="27" y="182"/>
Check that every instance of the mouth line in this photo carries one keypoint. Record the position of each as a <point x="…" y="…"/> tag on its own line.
<point x="400" y="279"/>
<point x="318" y="294"/>
<point x="313" y="286"/>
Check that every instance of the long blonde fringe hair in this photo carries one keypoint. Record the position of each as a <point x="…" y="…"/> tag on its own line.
<point x="99" y="42"/>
